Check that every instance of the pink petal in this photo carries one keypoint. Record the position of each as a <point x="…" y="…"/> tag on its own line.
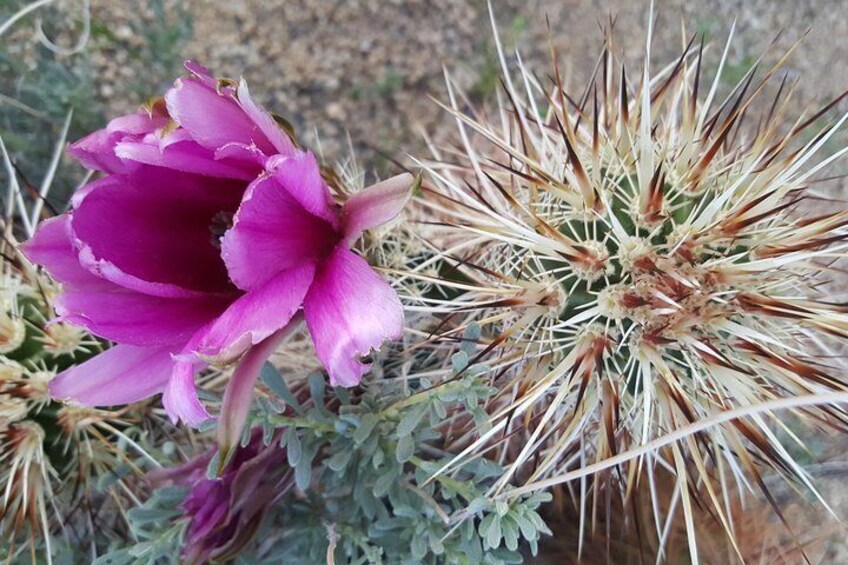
<point x="141" y="123"/>
<point x="180" y="397"/>
<point x="300" y="175"/>
<point x="105" y="183"/>
<point x="213" y="119"/>
<point x="108" y="310"/>
<point x="265" y="121"/>
<point x="247" y="155"/>
<point x="200" y="72"/>
<point x="257" y="314"/>
<point x="349" y="311"/>
<point x="52" y="247"/>
<point x="153" y="232"/>
<point x="272" y="232"/>
<point x="115" y="313"/>
<point x="119" y="375"/>
<point x="375" y="206"/>
<point x="239" y="392"/>
<point x="97" y="150"/>
<point x="186" y="156"/>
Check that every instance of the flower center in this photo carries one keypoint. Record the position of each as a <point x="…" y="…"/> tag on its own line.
<point x="218" y="226"/>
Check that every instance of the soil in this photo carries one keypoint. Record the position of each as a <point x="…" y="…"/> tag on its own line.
<point x="368" y="68"/>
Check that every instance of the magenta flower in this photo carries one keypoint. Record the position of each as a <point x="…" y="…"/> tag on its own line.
<point x="225" y="513"/>
<point x="209" y="233"/>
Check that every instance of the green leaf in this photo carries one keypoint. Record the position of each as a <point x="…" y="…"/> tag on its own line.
<point x="142" y="516"/>
<point x="436" y="545"/>
<point x="459" y="360"/>
<point x="366" y="426"/>
<point x="510" y="533"/>
<point x="378" y="458"/>
<point x="272" y="378"/>
<point x="246" y="435"/>
<point x="538" y="523"/>
<point x="493" y="533"/>
<point x="470" y="338"/>
<point x="212" y="468"/>
<point x="506" y="556"/>
<point x="528" y="530"/>
<point x="411" y="419"/>
<point x="170" y="495"/>
<point x="406" y="511"/>
<point x="303" y="475"/>
<point x="386" y="481"/>
<point x="405" y="449"/>
<point x="477" y="505"/>
<point x="207" y="425"/>
<point x="534" y="547"/>
<point x="481" y="419"/>
<point x="538" y="498"/>
<point x="316" y="388"/>
<point x="343" y="394"/>
<point x="440" y="409"/>
<point x="340" y="460"/>
<point x="294" y="448"/>
<point x="267" y="434"/>
<point x="418" y="547"/>
<point x="485" y="523"/>
<point x="119" y="557"/>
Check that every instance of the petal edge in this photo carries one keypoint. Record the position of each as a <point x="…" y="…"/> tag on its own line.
<point x="120" y="375"/>
<point x="375" y="206"/>
<point x="350" y="310"/>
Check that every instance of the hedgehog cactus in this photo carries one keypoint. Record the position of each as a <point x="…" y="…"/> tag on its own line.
<point x="642" y="262"/>
<point x="53" y="457"/>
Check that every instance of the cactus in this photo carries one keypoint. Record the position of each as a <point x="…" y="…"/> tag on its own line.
<point x="649" y="278"/>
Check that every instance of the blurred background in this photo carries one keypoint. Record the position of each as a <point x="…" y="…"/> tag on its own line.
<point x="359" y="74"/>
<point x="366" y="68"/>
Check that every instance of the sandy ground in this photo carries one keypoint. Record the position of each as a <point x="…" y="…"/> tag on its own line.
<point x="369" y="67"/>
